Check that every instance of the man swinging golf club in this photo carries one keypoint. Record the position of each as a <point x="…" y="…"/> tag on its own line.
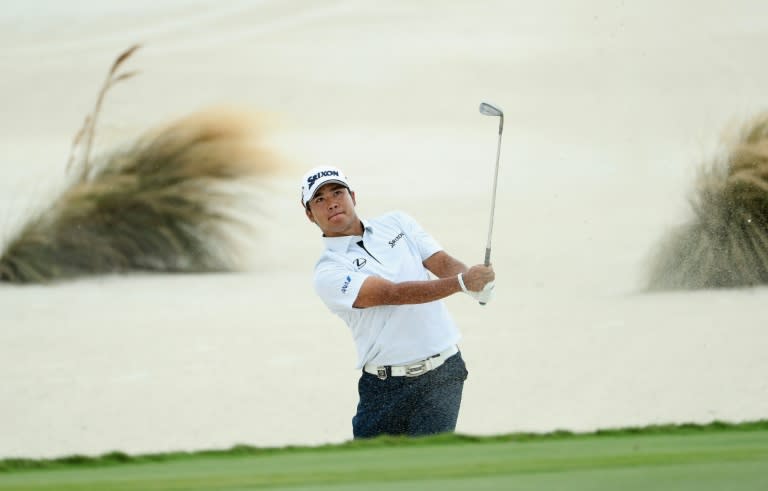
<point x="374" y="274"/>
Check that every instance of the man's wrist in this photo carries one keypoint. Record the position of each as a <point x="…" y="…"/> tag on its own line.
<point x="460" y="277"/>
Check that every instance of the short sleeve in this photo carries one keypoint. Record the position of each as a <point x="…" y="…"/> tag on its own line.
<point x="337" y="286"/>
<point x="425" y="243"/>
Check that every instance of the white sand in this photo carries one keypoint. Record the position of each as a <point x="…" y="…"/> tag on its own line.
<point x="610" y="106"/>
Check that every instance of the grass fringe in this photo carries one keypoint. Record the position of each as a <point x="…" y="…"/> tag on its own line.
<point x="118" y="458"/>
<point x="725" y="244"/>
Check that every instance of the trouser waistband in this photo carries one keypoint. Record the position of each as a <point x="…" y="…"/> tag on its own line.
<point x="412" y="369"/>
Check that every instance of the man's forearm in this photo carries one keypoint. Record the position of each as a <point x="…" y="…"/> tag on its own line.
<point x="377" y="291"/>
<point x="411" y="292"/>
<point x="443" y="265"/>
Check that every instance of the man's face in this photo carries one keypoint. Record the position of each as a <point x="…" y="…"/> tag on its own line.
<point x="333" y="210"/>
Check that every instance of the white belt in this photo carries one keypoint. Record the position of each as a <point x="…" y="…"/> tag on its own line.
<point x="412" y="369"/>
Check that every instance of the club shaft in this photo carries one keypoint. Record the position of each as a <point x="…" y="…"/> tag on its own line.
<point x="493" y="196"/>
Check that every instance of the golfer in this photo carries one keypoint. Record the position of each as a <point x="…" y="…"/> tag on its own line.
<point x="374" y="274"/>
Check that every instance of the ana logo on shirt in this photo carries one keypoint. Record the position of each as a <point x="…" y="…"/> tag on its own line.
<point x="345" y="286"/>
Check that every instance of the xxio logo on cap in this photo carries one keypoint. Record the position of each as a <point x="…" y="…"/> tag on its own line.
<point x="311" y="179"/>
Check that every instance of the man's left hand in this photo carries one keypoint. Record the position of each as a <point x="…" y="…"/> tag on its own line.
<point x="486" y="294"/>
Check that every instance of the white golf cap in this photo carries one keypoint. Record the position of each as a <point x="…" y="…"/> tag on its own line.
<point x="316" y="178"/>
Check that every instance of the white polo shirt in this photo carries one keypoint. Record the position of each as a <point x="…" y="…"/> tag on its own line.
<point x="392" y="247"/>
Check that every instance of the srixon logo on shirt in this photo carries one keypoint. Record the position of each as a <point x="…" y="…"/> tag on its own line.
<point x="397" y="237"/>
<point x="311" y="179"/>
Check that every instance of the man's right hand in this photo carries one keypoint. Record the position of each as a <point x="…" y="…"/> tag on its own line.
<point x="476" y="277"/>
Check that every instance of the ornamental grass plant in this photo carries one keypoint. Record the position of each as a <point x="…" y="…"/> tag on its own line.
<point x="174" y="200"/>
<point x="725" y="243"/>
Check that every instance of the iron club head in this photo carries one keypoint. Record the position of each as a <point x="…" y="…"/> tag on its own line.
<point x="490" y="110"/>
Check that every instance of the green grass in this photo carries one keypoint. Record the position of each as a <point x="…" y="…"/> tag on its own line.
<point x="712" y="457"/>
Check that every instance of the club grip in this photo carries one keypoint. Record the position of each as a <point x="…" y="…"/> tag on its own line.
<point x="487" y="262"/>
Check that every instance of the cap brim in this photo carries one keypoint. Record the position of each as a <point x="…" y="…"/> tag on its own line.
<point x="319" y="186"/>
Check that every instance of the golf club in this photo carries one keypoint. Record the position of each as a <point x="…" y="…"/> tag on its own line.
<point x="492" y="110"/>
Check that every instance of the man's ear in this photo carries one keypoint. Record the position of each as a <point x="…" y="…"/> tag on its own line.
<point x="352" y="193"/>
<point x="309" y="214"/>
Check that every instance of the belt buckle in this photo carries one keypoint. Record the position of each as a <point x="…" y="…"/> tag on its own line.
<point x="381" y="373"/>
<point x="416" y="369"/>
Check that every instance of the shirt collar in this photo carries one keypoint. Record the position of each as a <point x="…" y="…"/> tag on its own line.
<point x="341" y="244"/>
